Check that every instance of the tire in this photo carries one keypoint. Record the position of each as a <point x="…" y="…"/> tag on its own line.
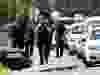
<point x="88" y="63"/>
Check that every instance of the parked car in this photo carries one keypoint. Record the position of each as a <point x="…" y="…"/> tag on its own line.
<point x="86" y="41"/>
<point x="91" y="48"/>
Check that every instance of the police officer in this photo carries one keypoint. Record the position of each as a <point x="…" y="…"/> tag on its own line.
<point x="60" y="38"/>
<point x="43" y="43"/>
<point x="17" y="33"/>
<point x="29" y="39"/>
<point x="56" y="15"/>
<point x="44" y="33"/>
<point x="29" y="43"/>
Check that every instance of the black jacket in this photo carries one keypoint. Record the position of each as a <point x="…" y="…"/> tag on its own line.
<point x="60" y="29"/>
<point x="43" y="34"/>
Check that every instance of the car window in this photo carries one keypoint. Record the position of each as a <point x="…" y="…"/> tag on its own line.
<point x="98" y="35"/>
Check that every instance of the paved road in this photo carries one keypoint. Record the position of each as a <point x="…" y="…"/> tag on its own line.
<point x="65" y="61"/>
<point x="64" y="64"/>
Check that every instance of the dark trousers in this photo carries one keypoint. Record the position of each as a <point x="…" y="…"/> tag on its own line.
<point x="60" y="48"/>
<point x="29" y="48"/>
<point x="44" y="50"/>
<point x="59" y="39"/>
<point x="18" y="44"/>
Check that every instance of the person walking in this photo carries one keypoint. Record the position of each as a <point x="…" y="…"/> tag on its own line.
<point x="60" y="38"/>
<point x="43" y="43"/>
<point x="29" y="43"/>
<point x="16" y="33"/>
<point x="29" y="37"/>
<point x="19" y="34"/>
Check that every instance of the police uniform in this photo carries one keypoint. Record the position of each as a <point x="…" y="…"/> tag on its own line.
<point x="59" y="39"/>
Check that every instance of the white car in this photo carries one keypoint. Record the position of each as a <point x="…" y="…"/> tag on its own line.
<point x="88" y="50"/>
<point x="91" y="48"/>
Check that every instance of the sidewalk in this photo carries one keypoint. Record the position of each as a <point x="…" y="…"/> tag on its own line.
<point x="66" y="62"/>
<point x="53" y="62"/>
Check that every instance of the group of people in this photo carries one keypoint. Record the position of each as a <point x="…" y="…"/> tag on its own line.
<point x="45" y="34"/>
<point x="40" y="29"/>
<point x="55" y="21"/>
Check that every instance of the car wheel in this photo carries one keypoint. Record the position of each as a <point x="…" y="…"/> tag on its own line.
<point x="88" y="63"/>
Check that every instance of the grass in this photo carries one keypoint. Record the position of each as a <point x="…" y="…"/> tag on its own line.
<point x="3" y="69"/>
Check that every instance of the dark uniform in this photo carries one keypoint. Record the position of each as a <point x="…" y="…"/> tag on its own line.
<point x="44" y="36"/>
<point x="21" y="29"/>
<point x="43" y="43"/>
<point x="29" y="40"/>
<point x="18" y="32"/>
<point x="17" y="38"/>
<point x="59" y="39"/>
<point x="29" y="43"/>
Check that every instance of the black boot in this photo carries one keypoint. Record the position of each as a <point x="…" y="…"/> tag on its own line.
<point x="41" y="61"/>
<point x="27" y="53"/>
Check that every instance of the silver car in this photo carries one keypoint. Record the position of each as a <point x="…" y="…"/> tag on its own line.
<point x="92" y="45"/>
<point x="88" y="50"/>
